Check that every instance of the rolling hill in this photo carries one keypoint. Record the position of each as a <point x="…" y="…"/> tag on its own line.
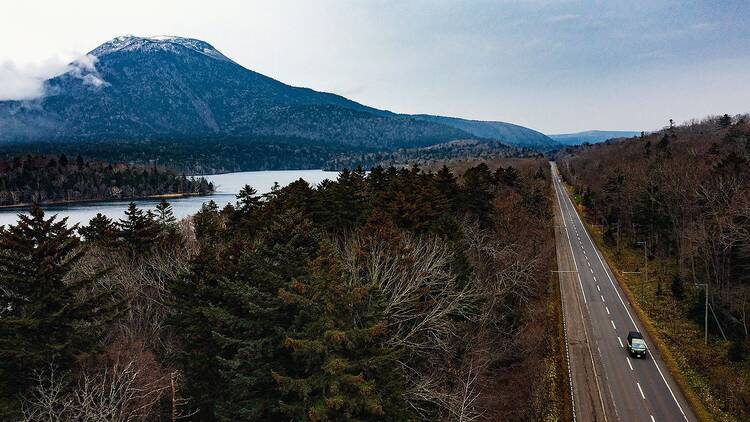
<point x="507" y="132"/>
<point x="592" y="136"/>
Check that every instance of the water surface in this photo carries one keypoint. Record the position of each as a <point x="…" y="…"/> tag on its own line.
<point x="227" y="186"/>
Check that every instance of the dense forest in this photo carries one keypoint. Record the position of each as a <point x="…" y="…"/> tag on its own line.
<point x="45" y="179"/>
<point x="392" y="295"/>
<point x="684" y="191"/>
<point x="225" y="155"/>
<point x="196" y="155"/>
<point x="450" y="151"/>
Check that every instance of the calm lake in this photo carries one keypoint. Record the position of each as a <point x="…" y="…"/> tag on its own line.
<point x="227" y="186"/>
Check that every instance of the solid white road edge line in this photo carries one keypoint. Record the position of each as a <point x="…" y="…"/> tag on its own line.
<point x="591" y="354"/>
<point x="607" y="271"/>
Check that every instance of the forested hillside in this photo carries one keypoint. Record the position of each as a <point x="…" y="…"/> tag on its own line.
<point x="196" y="155"/>
<point x="685" y="192"/>
<point x="180" y="103"/>
<point x="591" y="136"/>
<point x="48" y="179"/>
<point x="427" y="156"/>
<point x="393" y="295"/>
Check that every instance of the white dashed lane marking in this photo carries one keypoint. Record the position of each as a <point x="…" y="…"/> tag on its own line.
<point x="575" y="219"/>
<point x="607" y="310"/>
<point x="629" y="364"/>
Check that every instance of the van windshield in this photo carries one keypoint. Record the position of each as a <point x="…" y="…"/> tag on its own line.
<point x="639" y="344"/>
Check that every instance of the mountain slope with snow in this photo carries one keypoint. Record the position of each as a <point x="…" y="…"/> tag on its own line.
<point x="171" y="87"/>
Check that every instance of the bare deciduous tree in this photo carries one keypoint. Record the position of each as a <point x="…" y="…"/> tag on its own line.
<point x="115" y="394"/>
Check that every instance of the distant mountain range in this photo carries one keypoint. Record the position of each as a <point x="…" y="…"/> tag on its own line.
<point x="171" y="88"/>
<point x="506" y="132"/>
<point x="591" y="136"/>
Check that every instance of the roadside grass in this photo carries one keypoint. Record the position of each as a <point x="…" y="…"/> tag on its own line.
<point x="716" y="388"/>
<point x="542" y="371"/>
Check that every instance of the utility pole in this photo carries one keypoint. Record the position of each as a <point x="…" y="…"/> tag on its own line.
<point x="705" y="323"/>
<point x="705" y="340"/>
<point x="174" y="396"/>
<point x="618" y="237"/>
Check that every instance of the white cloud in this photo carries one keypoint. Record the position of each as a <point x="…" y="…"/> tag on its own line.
<point x="84" y="68"/>
<point x="26" y="81"/>
<point x="94" y="81"/>
<point x="86" y="63"/>
<point x="23" y="82"/>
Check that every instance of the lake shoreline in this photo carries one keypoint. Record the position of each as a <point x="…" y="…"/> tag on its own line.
<point x="27" y="205"/>
<point x="226" y="188"/>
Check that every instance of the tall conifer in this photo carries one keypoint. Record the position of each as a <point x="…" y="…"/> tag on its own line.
<point x="341" y="369"/>
<point x="139" y="230"/>
<point x="164" y="213"/>
<point x="45" y="318"/>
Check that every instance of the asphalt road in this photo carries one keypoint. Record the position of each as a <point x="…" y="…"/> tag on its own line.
<point x="607" y="383"/>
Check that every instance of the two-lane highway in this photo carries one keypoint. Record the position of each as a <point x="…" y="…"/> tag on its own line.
<point x="627" y="389"/>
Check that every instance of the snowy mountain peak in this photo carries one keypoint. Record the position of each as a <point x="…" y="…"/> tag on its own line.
<point x="157" y="43"/>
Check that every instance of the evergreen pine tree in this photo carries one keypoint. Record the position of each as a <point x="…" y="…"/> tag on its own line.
<point x="192" y="318"/>
<point x="252" y="321"/>
<point x="164" y="213"/>
<point x="99" y="229"/>
<point x="510" y="176"/>
<point x="207" y="223"/>
<point x="248" y="199"/>
<point x="139" y="230"/>
<point x="341" y="369"/>
<point x="45" y="319"/>
<point x="477" y="191"/>
<point x="376" y="180"/>
<point x="447" y="185"/>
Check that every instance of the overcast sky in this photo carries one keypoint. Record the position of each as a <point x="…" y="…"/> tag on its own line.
<point x="552" y="65"/>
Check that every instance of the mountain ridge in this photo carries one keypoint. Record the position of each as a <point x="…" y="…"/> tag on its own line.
<point x="591" y="136"/>
<point x="160" y="87"/>
<point x="512" y="134"/>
